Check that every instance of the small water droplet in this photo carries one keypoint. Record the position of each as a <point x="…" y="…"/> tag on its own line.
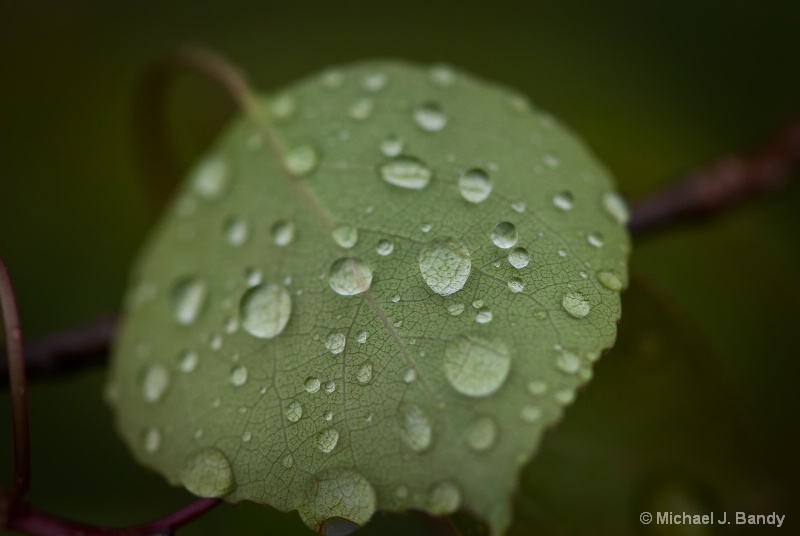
<point x="187" y="360"/>
<point x="562" y="252"/>
<point x="551" y="160"/>
<point x="455" y="309"/>
<point x="265" y="310"/>
<point x="425" y="227"/>
<point x="442" y="75"/>
<point x="540" y="315"/>
<point x="346" y="236"/>
<point x="476" y="366"/>
<point x="484" y="316"/>
<point x="444" y="498"/>
<point x="615" y="206"/>
<point x="328" y="416"/>
<point x="312" y="385"/>
<point x="576" y="304"/>
<point x="475" y="185"/>
<point x="349" y="276"/>
<point x="335" y="343"/>
<point x="188" y="299"/>
<point x="252" y="276"/>
<point x="563" y="200"/>
<point x="236" y="230"/>
<point x="530" y="413"/>
<point x="519" y="258"/>
<point x="208" y="473"/>
<point x="445" y="265"/>
<point x="395" y="298"/>
<point x="519" y="206"/>
<point x="364" y="374"/>
<point x="238" y="375"/>
<point x="392" y="146"/>
<point x="294" y="411"/>
<point x="505" y="235"/>
<point x="406" y="172"/>
<point x="429" y="116"/>
<point x="595" y="239"/>
<point x="609" y="280"/>
<point x="155" y="382"/>
<point x="481" y="433"/>
<point x="564" y="397"/>
<point x="302" y="159"/>
<point x="568" y="362"/>
<point x="327" y="439"/>
<point x="415" y="427"/>
<point x="537" y="387"/>
<point x="152" y="440"/>
<point x="362" y="337"/>
<point x="361" y="109"/>
<point x="332" y="79"/>
<point x="282" y="106"/>
<point x="330" y="387"/>
<point x="384" y="247"/>
<point x="410" y="376"/>
<point x="216" y="342"/>
<point x="210" y="177"/>
<point x="283" y="233"/>
<point x="198" y="434"/>
<point x="477" y="304"/>
<point x="287" y="461"/>
<point x="374" y="81"/>
<point x="516" y="285"/>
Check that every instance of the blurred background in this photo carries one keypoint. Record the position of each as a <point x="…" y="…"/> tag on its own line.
<point x="696" y="409"/>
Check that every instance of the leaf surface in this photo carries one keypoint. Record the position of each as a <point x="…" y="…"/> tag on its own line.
<point x="376" y="299"/>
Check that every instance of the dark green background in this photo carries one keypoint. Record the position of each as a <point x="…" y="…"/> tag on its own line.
<point x="655" y="88"/>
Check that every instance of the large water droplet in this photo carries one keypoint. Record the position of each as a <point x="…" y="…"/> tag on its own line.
<point x="406" y="172"/>
<point x="338" y="493"/>
<point x="187" y="360"/>
<point x="346" y="236"/>
<point x="475" y="185"/>
<point x="563" y="200"/>
<point x="283" y="233"/>
<point x="265" y="310"/>
<point x="392" y="146"/>
<point x="237" y="231"/>
<point x="444" y="498"/>
<point x="312" y="385"/>
<point x="155" y="382"/>
<point x="188" y="299"/>
<point x="152" y="440"/>
<point x="208" y="473"/>
<point x="576" y="304"/>
<point x="210" y="177"/>
<point x="481" y="433"/>
<point x="327" y="440"/>
<point x="476" y="366"/>
<point x="302" y="159"/>
<point x="238" y="375"/>
<point x="505" y="235"/>
<point x="335" y="343"/>
<point x="415" y="427"/>
<point x="349" y="276"/>
<point x="568" y="362"/>
<point x="384" y="247"/>
<point x="364" y="374"/>
<point x="616" y="207"/>
<point x="430" y="117"/>
<point x="294" y="411"/>
<point x="519" y="258"/>
<point x="609" y="280"/>
<point x="445" y="264"/>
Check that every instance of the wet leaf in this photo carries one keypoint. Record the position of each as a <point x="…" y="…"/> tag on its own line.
<point x="379" y="299"/>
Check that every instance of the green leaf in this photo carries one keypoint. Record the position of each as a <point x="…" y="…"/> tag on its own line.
<point x="379" y="299"/>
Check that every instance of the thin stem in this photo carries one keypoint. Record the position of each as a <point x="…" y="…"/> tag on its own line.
<point x="19" y="398"/>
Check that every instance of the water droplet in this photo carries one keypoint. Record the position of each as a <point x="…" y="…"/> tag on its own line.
<point x="562" y="252"/>
<point x="188" y="299"/>
<point x="349" y="276"/>
<point x="237" y="231"/>
<point x="328" y="415"/>
<point x="415" y="427"/>
<point x="330" y="387"/>
<point x="252" y="276"/>
<point x="484" y="316"/>
<point x="537" y="387"/>
<point x="327" y="439"/>
<point x="609" y="280"/>
<point x="210" y="177"/>
<point x="444" y="498"/>
<point x="551" y="160"/>
<point x="515" y="284"/>
<point x="539" y="315"/>
<point x="283" y="233"/>
<point x="564" y="397"/>
<point x="475" y="185"/>
<point x="346" y="236"/>
<point x="293" y="411"/>
<point x="519" y="207"/>
<point x="530" y="413"/>
<point x="505" y="235"/>
<point x="155" y="382"/>
<point x="335" y="343"/>
<point x="425" y="227"/>
<point x="208" y="473"/>
<point x="312" y="385"/>
<point x="395" y="298"/>
<point x="616" y="207"/>
<point x="374" y="81"/>
<point x="392" y="146"/>
<point x="302" y="159"/>
<point x="519" y="258"/>
<point x="576" y="304"/>
<point x="364" y="374"/>
<point x="362" y="337"/>
<point x="198" y="434"/>
<point x="340" y="494"/>
<point x="216" y="342"/>
<point x="455" y="309"/>
<point x="287" y="461"/>
<point x="246" y="436"/>
<point x="238" y="375"/>
<point x="430" y="117"/>
<point x="282" y="106"/>
<point x="187" y="360"/>
<point x="361" y="109"/>
<point x="595" y="239"/>
<point x="563" y="200"/>
<point x="476" y="366"/>
<point x="384" y="248"/>
<point x="406" y="172"/>
<point x="445" y="264"/>
<point x="410" y="376"/>
<point x="568" y="362"/>
<point x="333" y="79"/>
<point x="442" y="75"/>
<point x="477" y="304"/>
<point x="152" y="440"/>
<point x="481" y="433"/>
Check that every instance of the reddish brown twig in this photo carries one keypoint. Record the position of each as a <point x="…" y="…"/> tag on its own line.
<point x="723" y="185"/>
